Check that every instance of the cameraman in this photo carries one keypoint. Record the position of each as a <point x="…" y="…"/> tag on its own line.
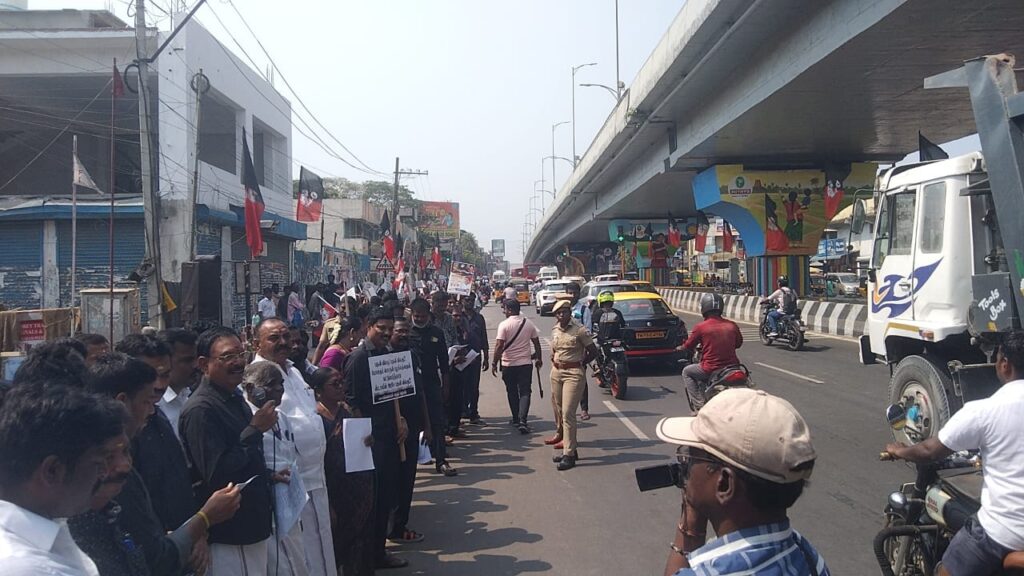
<point x="744" y="460"/>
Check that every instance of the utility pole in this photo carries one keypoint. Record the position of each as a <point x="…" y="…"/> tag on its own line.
<point x="200" y="85"/>
<point x="153" y="282"/>
<point x="394" y="204"/>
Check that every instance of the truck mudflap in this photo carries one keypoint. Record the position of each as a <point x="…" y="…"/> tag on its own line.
<point x="866" y="355"/>
<point x="973" y="381"/>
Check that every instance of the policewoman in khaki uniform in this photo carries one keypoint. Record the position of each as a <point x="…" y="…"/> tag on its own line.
<point x="572" y="350"/>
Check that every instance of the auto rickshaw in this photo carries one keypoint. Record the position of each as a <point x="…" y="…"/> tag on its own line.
<point x="522" y="290"/>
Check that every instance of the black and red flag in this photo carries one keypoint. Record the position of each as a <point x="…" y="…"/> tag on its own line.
<point x="400" y="253"/>
<point x="385" y="237"/>
<point x="702" y="232"/>
<point x="435" y="256"/>
<point x="311" y="197"/>
<point x="117" y="89"/>
<point x="253" y="202"/>
<point x="727" y="237"/>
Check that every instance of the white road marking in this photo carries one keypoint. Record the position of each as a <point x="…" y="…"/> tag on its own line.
<point x="793" y="374"/>
<point x="626" y="421"/>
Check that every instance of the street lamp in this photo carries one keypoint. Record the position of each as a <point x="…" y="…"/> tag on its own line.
<point x="574" y="70"/>
<point x="554" y="183"/>
<point x="614" y="93"/>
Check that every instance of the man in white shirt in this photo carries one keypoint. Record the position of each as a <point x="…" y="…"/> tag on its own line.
<point x="266" y="306"/>
<point x="995" y="427"/>
<point x="510" y="293"/>
<point x="274" y="344"/>
<point x="184" y="373"/>
<point x="54" y="445"/>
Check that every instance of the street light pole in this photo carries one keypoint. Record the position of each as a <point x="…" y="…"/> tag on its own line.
<point x="554" y="183"/>
<point x="618" y="82"/>
<point x="574" y="70"/>
<point x="615" y="93"/>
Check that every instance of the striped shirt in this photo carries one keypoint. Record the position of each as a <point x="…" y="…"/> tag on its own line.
<point x="774" y="549"/>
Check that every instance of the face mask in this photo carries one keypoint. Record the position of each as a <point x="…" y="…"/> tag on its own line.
<point x="418" y="325"/>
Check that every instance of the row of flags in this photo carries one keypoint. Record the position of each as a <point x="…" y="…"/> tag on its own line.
<point x="394" y="248"/>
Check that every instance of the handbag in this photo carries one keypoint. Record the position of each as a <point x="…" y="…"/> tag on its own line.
<point x="509" y="343"/>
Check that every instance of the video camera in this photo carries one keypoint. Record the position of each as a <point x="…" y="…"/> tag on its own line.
<point x="659" y="476"/>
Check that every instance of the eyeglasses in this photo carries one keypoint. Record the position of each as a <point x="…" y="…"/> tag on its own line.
<point x="687" y="459"/>
<point x="228" y="358"/>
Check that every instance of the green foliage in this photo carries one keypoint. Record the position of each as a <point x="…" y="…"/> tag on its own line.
<point x="375" y="191"/>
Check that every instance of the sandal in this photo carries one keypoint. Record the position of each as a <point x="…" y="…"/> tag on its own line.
<point x="585" y="415"/>
<point x="407" y="537"/>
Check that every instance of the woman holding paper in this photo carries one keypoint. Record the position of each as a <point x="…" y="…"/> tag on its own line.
<point x="351" y="494"/>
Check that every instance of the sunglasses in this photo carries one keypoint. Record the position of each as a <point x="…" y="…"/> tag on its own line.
<point x="686" y="459"/>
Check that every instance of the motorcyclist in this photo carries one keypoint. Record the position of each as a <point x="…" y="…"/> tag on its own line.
<point x="785" y="299"/>
<point x="606" y="322"/>
<point x="992" y="425"/>
<point x="719" y="338"/>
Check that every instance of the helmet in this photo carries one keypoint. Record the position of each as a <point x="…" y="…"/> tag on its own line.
<point x="605" y="296"/>
<point x="783" y="281"/>
<point x="711" y="302"/>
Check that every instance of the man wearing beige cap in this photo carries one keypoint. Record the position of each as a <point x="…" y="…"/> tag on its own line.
<point x="571" y="350"/>
<point x="744" y="459"/>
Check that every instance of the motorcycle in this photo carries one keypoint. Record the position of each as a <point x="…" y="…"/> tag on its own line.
<point x="791" y="327"/>
<point x="922" y="516"/>
<point x="734" y="376"/>
<point x="611" y="369"/>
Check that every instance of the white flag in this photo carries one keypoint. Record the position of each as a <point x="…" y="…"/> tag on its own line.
<point x="81" y="176"/>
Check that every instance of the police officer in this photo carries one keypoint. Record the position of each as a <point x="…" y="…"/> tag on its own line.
<point x="571" y="350"/>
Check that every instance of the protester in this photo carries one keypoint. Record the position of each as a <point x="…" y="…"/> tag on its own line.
<point x="389" y="430"/>
<point x="56" y="362"/>
<point x="223" y="439"/>
<point x="455" y="402"/>
<point x="184" y="375"/>
<point x="96" y="345"/>
<point x="442" y="319"/>
<point x="343" y="337"/>
<point x="475" y="329"/>
<point x="296" y="308"/>
<point x="299" y="403"/>
<point x="513" y="355"/>
<point x="300" y="352"/>
<point x="156" y="451"/>
<point x="414" y="409"/>
<point x="745" y="459"/>
<point x="429" y="341"/>
<point x="54" y="445"/>
<point x="263" y="384"/>
<point x="267" y="307"/>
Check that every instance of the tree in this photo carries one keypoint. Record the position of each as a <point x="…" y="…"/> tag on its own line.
<point x="375" y="191"/>
<point x="470" y="250"/>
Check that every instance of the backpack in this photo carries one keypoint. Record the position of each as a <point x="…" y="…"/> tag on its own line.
<point x="788" y="301"/>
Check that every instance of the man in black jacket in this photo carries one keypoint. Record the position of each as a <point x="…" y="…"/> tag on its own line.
<point x="388" y="430"/>
<point x="429" y="341"/>
<point x="224" y="441"/>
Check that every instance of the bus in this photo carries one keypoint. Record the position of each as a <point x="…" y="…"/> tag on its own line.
<point x="528" y="270"/>
<point x="498" y="277"/>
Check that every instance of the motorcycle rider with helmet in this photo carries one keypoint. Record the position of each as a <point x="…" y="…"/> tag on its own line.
<point x="785" y="299"/>
<point x="606" y="322"/>
<point x="719" y="338"/>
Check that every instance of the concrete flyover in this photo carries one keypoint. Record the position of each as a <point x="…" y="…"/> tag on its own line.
<point x="774" y="85"/>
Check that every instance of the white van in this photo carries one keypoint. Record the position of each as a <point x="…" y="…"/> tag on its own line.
<point x="548" y="273"/>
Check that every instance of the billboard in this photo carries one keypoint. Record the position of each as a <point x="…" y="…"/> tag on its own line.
<point x="498" y="248"/>
<point x="441" y="218"/>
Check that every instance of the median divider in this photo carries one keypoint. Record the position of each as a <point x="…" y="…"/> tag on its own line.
<point x="835" y="318"/>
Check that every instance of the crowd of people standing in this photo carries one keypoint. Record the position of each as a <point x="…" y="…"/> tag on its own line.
<point x="183" y="453"/>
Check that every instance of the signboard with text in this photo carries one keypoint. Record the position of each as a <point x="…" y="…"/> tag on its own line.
<point x="392" y="376"/>
<point x="498" y="249"/>
<point x="440" y="218"/>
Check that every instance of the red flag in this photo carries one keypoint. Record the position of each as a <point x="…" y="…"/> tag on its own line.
<point x="435" y="256"/>
<point x="422" y="263"/>
<point x="700" y="240"/>
<point x="117" y="90"/>
<point x="674" y="237"/>
<point x="727" y="237"/>
<point x="833" y="198"/>
<point x="253" y="202"/>
<point x="385" y="237"/>
<point x="311" y="195"/>
<point x="400" y="266"/>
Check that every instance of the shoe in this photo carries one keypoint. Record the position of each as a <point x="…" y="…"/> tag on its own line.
<point x="523" y="429"/>
<point x="773" y="334"/>
<point x="567" y="462"/>
<point x="477" y="421"/>
<point x="513" y="422"/>
<point x="447" y="470"/>
<point x="559" y="458"/>
<point x="457" y="434"/>
<point x="389" y="561"/>
<point x="585" y="415"/>
<point x="553" y="440"/>
<point x="449" y="441"/>
<point x="559" y="446"/>
<point x="406" y="537"/>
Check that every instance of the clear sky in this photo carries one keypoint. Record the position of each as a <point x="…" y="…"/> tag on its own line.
<point x="466" y="89"/>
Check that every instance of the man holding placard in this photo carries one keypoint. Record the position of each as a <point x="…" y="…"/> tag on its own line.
<point x="375" y="379"/>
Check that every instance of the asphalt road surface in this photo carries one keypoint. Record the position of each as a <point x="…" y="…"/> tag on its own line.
<point x="511" y="512"/>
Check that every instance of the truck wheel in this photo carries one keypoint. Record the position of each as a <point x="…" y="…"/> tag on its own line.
<point x="921" y="386"/>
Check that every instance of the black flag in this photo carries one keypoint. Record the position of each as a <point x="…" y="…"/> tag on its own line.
<point x="929" y="150"/>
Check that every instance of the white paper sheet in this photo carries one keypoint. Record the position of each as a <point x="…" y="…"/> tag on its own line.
<point x="289" y="501"/>
<point x="424" y="456"/>
<point x="358" y="456"/>
<point x="470" y="356"/>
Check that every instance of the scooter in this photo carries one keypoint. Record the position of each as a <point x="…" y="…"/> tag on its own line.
<point x="922" y="516"/>
<point x="734" y="376"/>
<point x="611" y="369"/>
<point x="791" y="328"/>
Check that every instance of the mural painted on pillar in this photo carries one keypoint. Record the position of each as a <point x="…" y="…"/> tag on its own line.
<point x="650" y="243"/>
<point x="587" y="258"/>
<point x="792" y="207"/>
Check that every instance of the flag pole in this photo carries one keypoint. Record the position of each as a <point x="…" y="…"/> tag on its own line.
<point x="110" y="186"/>
<point x="74" y="228"/>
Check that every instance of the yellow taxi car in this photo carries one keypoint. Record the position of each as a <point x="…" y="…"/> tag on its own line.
<point x="644" y="286"/>
<point x="652" y="330"/>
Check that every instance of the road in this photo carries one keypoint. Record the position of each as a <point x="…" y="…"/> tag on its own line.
<point x="510" y="512"/>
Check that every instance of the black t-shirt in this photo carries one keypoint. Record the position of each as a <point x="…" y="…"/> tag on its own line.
<point x="607" y="324"/>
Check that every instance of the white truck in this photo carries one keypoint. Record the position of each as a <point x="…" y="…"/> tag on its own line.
<point x="945" y="275"/>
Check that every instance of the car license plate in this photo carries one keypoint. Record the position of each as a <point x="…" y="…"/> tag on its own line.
<point x="650" y="335"/>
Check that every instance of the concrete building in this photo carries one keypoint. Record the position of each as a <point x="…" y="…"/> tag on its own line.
<point x="56" y="70"/>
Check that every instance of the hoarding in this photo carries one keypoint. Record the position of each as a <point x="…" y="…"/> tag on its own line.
<point x="440" y="218"/>
<point x="498" y="248"/>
